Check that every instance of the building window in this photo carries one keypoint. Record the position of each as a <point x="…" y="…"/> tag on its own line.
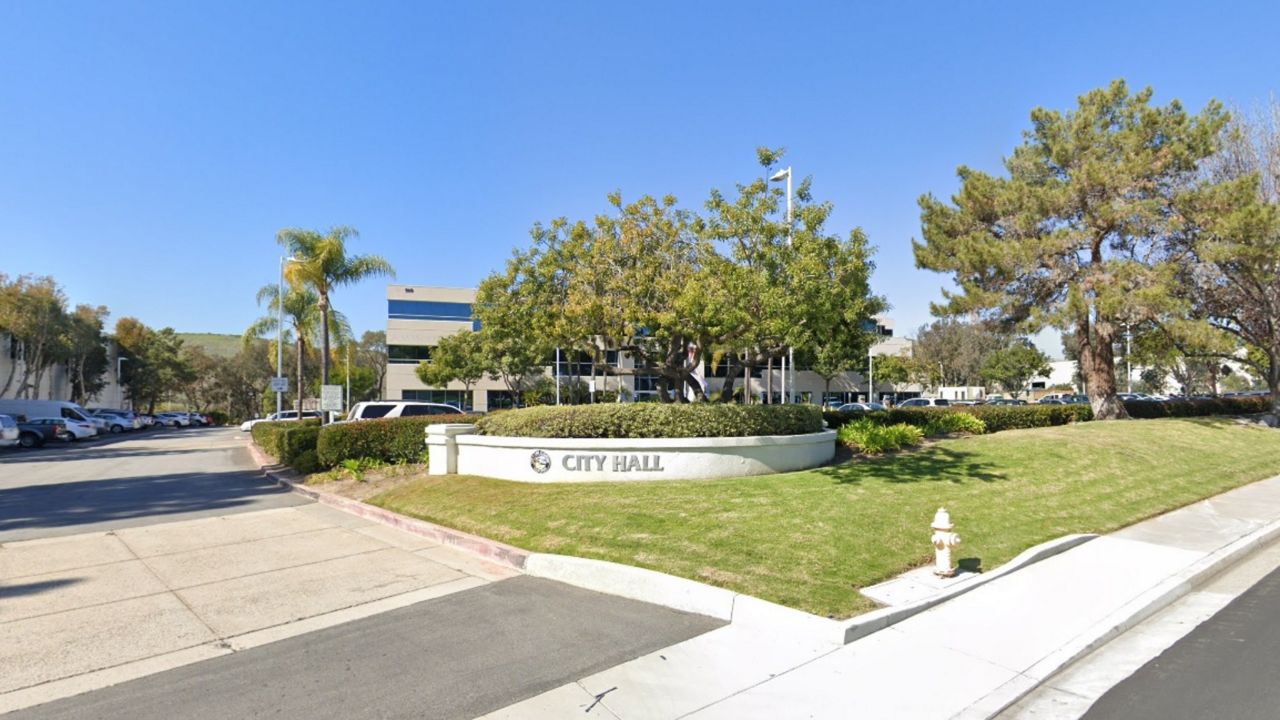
<point x="500" y="400"/>
<point x="428" y="310"/>
<point x="580" y="364"/>
<point x="408" y="354"/>
<point x="460" y="399"/>
<point x="722" y="369"/>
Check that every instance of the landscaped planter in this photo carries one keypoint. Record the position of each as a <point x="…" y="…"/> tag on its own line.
<point x="455" y="448"/>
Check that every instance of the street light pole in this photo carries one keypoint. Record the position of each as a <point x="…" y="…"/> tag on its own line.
<point x="791" y="351"/>
<point x="280" y="332"/>
<point x="120" y="375"/>
<point x="871" y="377"/>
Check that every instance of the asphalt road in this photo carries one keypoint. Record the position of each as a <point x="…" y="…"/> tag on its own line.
<point x="127" y="480"/>
<point x="457" y="657"/>
<point x="1227" y="668"/>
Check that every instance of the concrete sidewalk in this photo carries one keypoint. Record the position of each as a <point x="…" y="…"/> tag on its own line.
<point x="967" y="658"/>
<point x="85" y="611"/>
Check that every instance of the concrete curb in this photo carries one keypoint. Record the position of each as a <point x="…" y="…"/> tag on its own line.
<point x="1126" y="617"/>
<point x="490" y="550"/>
<point x="691" y="596"/>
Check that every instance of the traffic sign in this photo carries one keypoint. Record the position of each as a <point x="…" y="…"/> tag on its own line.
<point x="280" y="384"/>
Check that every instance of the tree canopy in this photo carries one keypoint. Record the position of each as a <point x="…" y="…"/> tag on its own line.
<point x="1082" y="232"/>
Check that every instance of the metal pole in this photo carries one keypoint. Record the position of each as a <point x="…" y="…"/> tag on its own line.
<point x="280" y="338"/>
<point x="557" y="376"/>
<point x="871" y="377"/>
<point x="791" y="351"/>
<point x="346" y="407"/>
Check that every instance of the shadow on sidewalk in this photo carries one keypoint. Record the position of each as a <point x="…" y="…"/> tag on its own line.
<point x="122" y="499"/>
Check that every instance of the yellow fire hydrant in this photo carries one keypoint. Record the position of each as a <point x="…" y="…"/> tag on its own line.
<point x="944" y="539"/>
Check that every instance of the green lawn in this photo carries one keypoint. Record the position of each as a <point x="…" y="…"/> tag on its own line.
<point x="811" y="539"/>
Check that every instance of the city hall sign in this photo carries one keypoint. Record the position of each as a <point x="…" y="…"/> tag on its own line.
<point x="540" y="461"/>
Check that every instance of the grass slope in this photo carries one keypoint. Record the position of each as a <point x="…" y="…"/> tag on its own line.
<point x="811" y="539"/>
<point x="215" y="344"/>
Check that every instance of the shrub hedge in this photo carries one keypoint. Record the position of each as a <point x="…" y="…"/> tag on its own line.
<point x="1010" y="417"/>
<point x="1196" y="408"/>
<point x="393" y="440"/>
<point x="267" y="434"/>
<point x="653" y="420"/>
<point x="994" y="417"/>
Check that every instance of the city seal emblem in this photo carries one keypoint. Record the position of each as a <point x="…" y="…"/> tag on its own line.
<point x="540" y="461"/>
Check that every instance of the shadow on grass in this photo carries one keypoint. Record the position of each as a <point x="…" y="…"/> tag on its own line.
<point x="929" y="464"/>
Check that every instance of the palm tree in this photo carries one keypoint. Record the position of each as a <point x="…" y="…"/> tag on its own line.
<point x="323" y="265"/>
<point x="303" y="318"/>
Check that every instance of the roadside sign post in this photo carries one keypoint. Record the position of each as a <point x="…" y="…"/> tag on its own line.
<point x="280" y="384"/>
<point x="331" y="398"/>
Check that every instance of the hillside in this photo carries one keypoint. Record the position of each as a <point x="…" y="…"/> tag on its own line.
<point x="213" y="343"/>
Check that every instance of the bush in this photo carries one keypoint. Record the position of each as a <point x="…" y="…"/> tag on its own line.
<point x="266" y="435"/>
<point x="954" y="422"/>
<point x="1195" y="408"/>
<point x="306" y="462"/>
<point x="872" y="438"/>
<point x="295" y="441"/>
<point x="220" y="418"/>
<point x="994" y="417"/>
<point x="394" y="440"/>
<point x="653" y="420"/>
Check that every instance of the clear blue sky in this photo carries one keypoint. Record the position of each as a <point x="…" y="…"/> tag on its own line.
<point x="150" y="151"/>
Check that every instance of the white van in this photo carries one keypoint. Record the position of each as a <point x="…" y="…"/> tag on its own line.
<point x="45" y="409"/>
<point x="399" y="408"/>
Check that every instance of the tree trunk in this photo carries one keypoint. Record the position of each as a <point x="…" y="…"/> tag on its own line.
<point x="1097" y="361"/>
<point x="13" y="367"/>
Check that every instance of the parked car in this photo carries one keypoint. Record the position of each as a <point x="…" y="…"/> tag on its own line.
<point x="36" y="432"/>
<point x="113" y="423"/>
<point x="398" y="408"/>
<point x="132" y="420"/>
<point x="247" y="425"/>
<point x="852" y="407"/>
<point x="925" y="402"/>
<point x="80" y="429"/>
<point x="9" y="431"/>
<point x="173" y="419"/>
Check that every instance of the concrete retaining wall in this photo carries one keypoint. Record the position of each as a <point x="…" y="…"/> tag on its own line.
<point x="455" y="448"/>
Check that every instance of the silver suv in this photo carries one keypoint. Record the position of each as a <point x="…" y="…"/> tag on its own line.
<point x="925" y="402"/>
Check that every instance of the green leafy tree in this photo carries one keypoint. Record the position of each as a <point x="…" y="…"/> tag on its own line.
<point x="671" y="288"/>
<point x="33" y="312"/>
<point x="1079" y="234"/>
<point x="1014" y="366"/>
<point x="323" y="266"/>
<point x="952" y="352"/>
<point x="371" y="353"/>
<point x="155" y="362"/>
<point x="892" y="369"/>
<point x="1231" y="273"/>
<point x="304" y="322"/>
<point x="86" y="351"/>
<point x="460" y="357"/>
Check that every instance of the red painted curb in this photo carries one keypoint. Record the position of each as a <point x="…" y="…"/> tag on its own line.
<point x="491" y="550"/>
